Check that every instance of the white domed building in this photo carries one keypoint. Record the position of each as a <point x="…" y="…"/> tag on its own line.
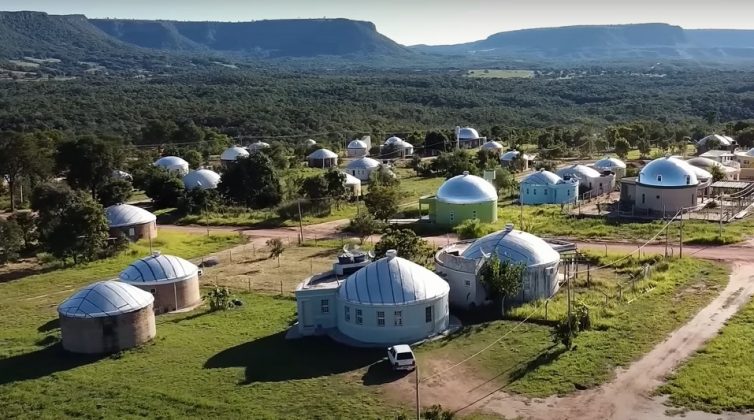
<point x="716" y="142"/>
<point x="173" y="164"/>
<point x="395" y="147"/>
<point x="611" y="164"/>
<point x="310" y="143"/>
<point x="731" y="171"/>
<point x="590" y="180"/>
<point x="468" y="138"/>
<point x="322" y="158"/>
<point x="132" y="221"/>
<point x="230" y="155"/>
<point x="121" y="176"/>
<point x="257" y="146"/>
<point x="510" y="158"/>
<point x="389" y="301"/>
<point x="353" y="184"/>
<point x="460" y="198"/>
<point x="460" y="263"/>
<point x="664" y="185"/>
<point x="357" y="149"/>
<point x="204" y="179"/>
<point x="545" y="187"/>
<point x="362" y="168"/>
<point x="106" y="317"/>
<point x="493" y="147"/>
<point x="173" y="281"/>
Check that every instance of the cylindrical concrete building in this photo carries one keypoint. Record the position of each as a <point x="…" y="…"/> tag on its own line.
<point x="322" y="158"/>
<point x="464" y="197"/>
<point x="614" y="165"/>
<point x="357" y="149"/>
<point x="232" y="154"/>
<point x="204" y="179"/>
<point x="106" y="317"/>
<point x="132" y="221"/>
<point x="173" y="164"/>
<point x="362" y="168"/>
<point x="173" y="281"/>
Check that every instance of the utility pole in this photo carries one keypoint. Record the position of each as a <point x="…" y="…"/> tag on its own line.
<point x="680" y="252"/>
<point x="721" y="217"/>
<point x="300" y="224"/>
<point x="418" y="410"/>
<point x="666" y="240"/>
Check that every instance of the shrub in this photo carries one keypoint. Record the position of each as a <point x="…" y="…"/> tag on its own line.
<point x="219" y="298"/>
<point x="289" y="210"/>
<point x="472" y="229"/>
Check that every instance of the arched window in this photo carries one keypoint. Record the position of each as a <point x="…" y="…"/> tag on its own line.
<point x="659" y="178"/>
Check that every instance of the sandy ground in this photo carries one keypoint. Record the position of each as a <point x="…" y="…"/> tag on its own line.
<point x="627" y="396"/>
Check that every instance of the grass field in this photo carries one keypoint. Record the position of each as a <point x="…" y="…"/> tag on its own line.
<point x="528" y="361"/>
<point x="719" y="377"/>
<point x="500" y="74"/>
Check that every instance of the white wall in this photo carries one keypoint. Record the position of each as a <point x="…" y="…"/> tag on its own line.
<point x="311" y="319"/>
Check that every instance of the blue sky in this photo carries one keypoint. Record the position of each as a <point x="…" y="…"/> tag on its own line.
<point x="422" y="21"/>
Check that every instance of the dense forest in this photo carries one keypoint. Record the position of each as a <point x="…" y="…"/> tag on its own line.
<point x="339" y="105"/>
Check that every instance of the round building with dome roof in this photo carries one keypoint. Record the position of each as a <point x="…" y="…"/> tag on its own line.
<point x="545" y="187"/>
<point x="173" y="281"/>
<point x="460" y="198"/>
<point x="664" y="185"/>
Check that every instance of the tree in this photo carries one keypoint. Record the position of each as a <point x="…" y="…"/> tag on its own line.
<point x="252" y="181"/>
<point x="157" y="131"/>
<point x="11" y="240"/>
<point x="364" y="225"/>
<point x="193" y="158"/>
<point x="187" y="132"/>
<point x="219" y="299"/>
<point x="382" y="201"/>
<point x="77" y="229"/>
<point x="504" y="180"/>
<point x="644" y="147"/>
<point x="27" y="222"/>
<point x="502" y="278"/>
<point x="336" y="186"/>
<point x="435" y="140"/>
<point x="455" y="163"/>
<point x="408" y="245"/>
<point x="114" y="191"/>
<point x="276" y="248"/>
<point x="383" y="176"/>
<point x="20" y="156"/>
<point x="314" y="187"/>
<point x="89" y="162"/>
<point x="197" y="200"/>
<point x="717" y="173"/>
<point x="487" y="159"/>
<point x="163" y="187"/>
<point x="622" y="147"/>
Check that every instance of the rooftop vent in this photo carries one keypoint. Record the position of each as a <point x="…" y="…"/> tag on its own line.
<point x="391" y="253"/>
<point x="465" y="173"/>
<point x="509" y="227"/>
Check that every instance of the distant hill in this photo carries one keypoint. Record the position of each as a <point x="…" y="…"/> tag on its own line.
<point x="651" y="40"/>
<point x="270" y="38"/>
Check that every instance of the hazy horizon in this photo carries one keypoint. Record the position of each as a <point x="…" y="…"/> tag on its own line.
<point x="422" y="21"/>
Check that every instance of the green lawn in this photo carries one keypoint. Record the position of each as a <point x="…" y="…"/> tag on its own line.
<point x="528" y="362"/>
<point x="500" y="74"/>
<point x="719" y="377"/>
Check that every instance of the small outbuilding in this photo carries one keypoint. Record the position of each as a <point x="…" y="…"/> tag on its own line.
<point x="357" y="149"/>
<point x="731" y="171"/>
<point x="173" y="164"/>
<point x="260" y="145"/>
<point x="664" y="185"/>
<point x="173" y="281"/>
<point x="362" y="168"/>
<point x="461" y="198"/>
<point x="132" y="221"/>
<point x="591" y="181"/>
<point x="322" y="158"/>
<point x="468" y="138"/>
<point x="513" y="159"/>
<point x="545" y="187"/>
<point x="716" y="142"/>
<point x="310" y="143"/>
<point x="388" y="301"/>
<point x="611" y="164"/>
<point x="493" y="147"/>
<point x="353" y="184"/>
<point x="395" y="147"/>
<point x="204" y="179"/>
<point x="106" y="317"/>
<point x="230" y="155"/>
<point x="459" y="265"/>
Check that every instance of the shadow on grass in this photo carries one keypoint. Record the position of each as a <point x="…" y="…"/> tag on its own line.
<point x="275" y="359"/>
<point x="544" y="358"/>
<point x="381" y="373"/>
<point x="41" y="363"/>
<point x="25" y="272"/>
<point x="50" y="325"/>
<point x="190" y="317"/>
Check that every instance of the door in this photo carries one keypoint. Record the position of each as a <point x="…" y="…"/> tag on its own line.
<point x="307" y="317"/>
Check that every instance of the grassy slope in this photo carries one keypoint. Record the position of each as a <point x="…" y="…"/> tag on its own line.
<point x="719" y="377"/>
<point x="527" y="362"/>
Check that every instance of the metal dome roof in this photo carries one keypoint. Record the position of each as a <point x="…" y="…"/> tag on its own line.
<point x="466" y="189"/>
<point x="121" y="215"/>
<point x="357" y="144"/>
<point x="707" y="163"/>
<point x="750" y="152"/>
<point x="158" y="269"/>
<point x="578" y="171"/>
<point x="322" y="154"/>
<point x="392" y="281"/>
<point x="351" y="180"/>
<point x="468" y="133"/>
<point x="609" y="163"/>
<point x="310" y="142"/>
<point x="171" y="162"/>
<point x="123" y="175"/>
<point x="492" y="145"/>
<point x="393" y="139"/>
<point x="724" y="140"/>
<point x="363" y="163"/>
<point x="514" y="154"/>
<point x="259" y="145"/>
<point x="233" y="153"/>
<point x="542" y="177"/>
<point x="513" y="245"/>
<point x="105" y="298"/>
<point x="201" y="178"/>
<point x="701" y="174"/>
<point x="667" y="172"/>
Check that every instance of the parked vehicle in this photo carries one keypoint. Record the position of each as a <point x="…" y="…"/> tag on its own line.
<point x="401" y="357"/>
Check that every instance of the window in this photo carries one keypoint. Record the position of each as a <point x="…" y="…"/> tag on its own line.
<point x="131" y="232"/>
<point x="569" y="193"/>
<point x="527" y="191"/>
<point x="108" y="329"/>
<point x="347" y="314"/>
<point x="473" y="214"/>
<point x="380" y="318"/>
<point x="153" y="292"/>
<point x="657" y="197"/>
<point x="359" y="318"/>
<point x="467" y="283"/>
<point x="659" y="178"/>
<point x="688" y="179"/>
<point x="428" y="314"/>
<point x="325" y="306"/>
<point x="452" y="216"/>
<point x="545" y="191"/>
<point x="398" y="318"/>
<point x="643" y="199"/>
